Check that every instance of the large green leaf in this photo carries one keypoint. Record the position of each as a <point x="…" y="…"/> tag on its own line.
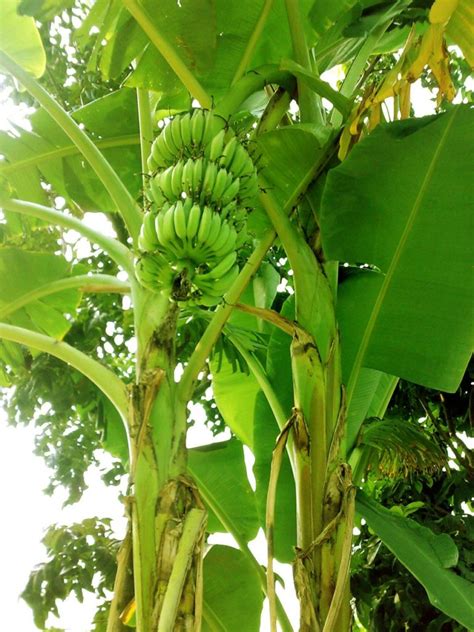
<point x="219" y="470"/>
<point x="20" y="39"/>
<point x="293" y="151"/>
<point x="260" y="292"/>
<point x="44" y="9"/>
<point x="211" y="37"/>
<point x="21" y="272"/>
<point x="325" y="13"/>
<point x="373" y="388"/>
<point x="233" y="597"/>
<point x="402" y="201"/>
<point x="426" y="555"/>
<point x="46" y="153"/>
<point x="231" y="386"/>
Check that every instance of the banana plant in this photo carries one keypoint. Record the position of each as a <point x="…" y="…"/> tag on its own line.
<point x="230" y="163"/>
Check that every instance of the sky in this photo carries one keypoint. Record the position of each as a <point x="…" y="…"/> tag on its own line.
<point x="27" y="512"/>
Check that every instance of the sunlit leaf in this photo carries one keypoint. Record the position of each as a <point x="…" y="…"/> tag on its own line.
<point x="20" y="39"/>
<point x="235" y="604"/>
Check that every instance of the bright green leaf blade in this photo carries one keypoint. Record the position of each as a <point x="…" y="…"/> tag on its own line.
<point x="426" y="555"/>
<point x="293" y="151"/>
<point x="219" y="470"/>
<point x="114" y="438"/>
<point x="47" y="153"/>
<point x="21" y="272"/>
<point x="325" y="13"/>
<point x="232" y="593"/>
<point x="211" y="37"/>
<point x="409" y="217"/>
<point x="230" y="385"/>
<point x="373" y="388"/>
<point x="20" y="39"/>
<point x="260" y="292"/>
<point x="44" y="9"/>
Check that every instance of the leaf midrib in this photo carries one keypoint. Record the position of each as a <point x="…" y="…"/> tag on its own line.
<point x="387" y="280"/>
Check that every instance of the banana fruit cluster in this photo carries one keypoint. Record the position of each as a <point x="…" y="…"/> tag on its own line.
<point x="202" y="182"/>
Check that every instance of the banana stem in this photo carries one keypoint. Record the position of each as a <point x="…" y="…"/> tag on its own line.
<point x="146" y="129"/>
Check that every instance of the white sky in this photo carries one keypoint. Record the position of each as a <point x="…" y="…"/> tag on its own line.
<point x="27" y="512"/>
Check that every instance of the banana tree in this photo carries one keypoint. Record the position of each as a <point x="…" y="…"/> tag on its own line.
<point x="232" y="164"/>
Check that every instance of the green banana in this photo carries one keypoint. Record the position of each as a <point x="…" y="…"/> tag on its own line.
<point x="223" y="236"/>
<point x="193" y="221"/>
<point x="177" y="179"/>
<point x="175" y="130"/>
<point x="228" y="152"/>
<point x="239" y="160"/>
<point x="214" y="230"/>
<point x="180" y="220"/>
<point x="223" y="179"/>
<point x="220" y="286"/>
<point x="168" y="142"/>
<point x="227" y="245"/>
<point x="209" y="181"/>
<point x="218" y="270"/>
<point x="160" y="153"/>
<point x="165" y="183"/>
<point x="197" y="176"/>
<point x="147" y="239"/>
<point x="205" y="225"/>
<point x="188" y="171"/>
<point x="231" y="192"/>
<point x="155" y="189"/>
<point x="185" y="123"/>
<point x="229" y="209"/>
<point x="197" y="127"/>
<point x="213" y="151"/>
<point x="151" y="163"/>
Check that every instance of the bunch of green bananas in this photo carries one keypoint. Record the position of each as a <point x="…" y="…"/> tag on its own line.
<point x="202" y="182"/>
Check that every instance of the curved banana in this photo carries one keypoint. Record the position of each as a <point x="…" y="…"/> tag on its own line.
<point x="193" y="222"/>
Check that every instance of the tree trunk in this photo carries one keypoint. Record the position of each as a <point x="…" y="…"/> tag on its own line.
<point x="167" y="515"/>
